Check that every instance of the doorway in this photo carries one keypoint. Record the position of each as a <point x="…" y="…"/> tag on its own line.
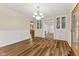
<point x="49" y="29"/>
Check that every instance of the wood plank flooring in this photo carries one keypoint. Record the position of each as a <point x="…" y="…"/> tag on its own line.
<point x="39" y="47"/>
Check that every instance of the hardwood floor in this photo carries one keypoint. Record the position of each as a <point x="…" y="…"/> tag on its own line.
<point x="39" y="47"/>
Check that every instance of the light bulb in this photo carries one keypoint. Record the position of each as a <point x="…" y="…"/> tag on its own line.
<point x="41" y="13"/>
<point x="35" y="13"/>
<point x="38" y="17"/>
<point x="42" y="16"/>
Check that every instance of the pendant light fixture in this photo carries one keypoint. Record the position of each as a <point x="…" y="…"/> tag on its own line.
<point x="37" y="14"/>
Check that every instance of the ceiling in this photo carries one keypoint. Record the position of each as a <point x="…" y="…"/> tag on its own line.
<point x="49" y="9"/>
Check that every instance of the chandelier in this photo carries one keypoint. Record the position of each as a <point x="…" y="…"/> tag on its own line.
<point x="38" y="15"/>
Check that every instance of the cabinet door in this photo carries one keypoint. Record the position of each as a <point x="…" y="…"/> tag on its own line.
<point x="75" y="28"/>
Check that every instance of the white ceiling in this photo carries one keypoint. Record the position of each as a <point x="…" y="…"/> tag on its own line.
<point x="49" y="9"/>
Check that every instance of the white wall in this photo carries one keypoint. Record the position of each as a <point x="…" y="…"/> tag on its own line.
<point x="14" y="27"/>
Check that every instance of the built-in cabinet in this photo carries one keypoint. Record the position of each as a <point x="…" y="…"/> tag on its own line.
<point x="62" y="27"/>
<point x="61" y="22"/>
<point x="38" y="28"/>
<point x="75" y="29"/>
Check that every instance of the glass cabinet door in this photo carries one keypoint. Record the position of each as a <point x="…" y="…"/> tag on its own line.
<point x="75" y="24"/>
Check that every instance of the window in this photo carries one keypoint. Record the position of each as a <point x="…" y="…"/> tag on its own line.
<point x="58" y="23"/>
